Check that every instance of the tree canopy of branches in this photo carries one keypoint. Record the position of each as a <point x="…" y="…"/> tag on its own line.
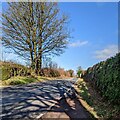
<point x="35" y="30"/>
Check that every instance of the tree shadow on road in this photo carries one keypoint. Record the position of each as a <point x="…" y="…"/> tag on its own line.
<point x="70" y="105"/>
<point x="33" y="100"/>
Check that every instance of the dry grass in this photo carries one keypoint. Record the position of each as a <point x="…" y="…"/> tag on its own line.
<point x="94" y="103"/>
<point x="85" y="99"/>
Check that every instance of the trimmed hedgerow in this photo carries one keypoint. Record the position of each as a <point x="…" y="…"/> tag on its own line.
<point x="10" y="69"/>
<point x="105" y="76"/>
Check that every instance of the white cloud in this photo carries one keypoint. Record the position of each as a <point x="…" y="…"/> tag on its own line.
<point x="78" y="43"/>
<point x="107" y="52"/>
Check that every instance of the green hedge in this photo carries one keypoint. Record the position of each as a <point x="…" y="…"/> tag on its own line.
<point x="105" y="76"/>
<point x="10" y="69"/>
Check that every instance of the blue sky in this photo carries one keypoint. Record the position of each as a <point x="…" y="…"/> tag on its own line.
<point x="94" y="33"/>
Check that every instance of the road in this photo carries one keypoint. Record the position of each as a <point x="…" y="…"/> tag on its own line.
<point x="33" y="100"/>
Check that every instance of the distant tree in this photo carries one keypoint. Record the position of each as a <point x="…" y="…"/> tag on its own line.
<point x="61" y="71"/>
<point x="46" y="62"/>
<point x="53" y="65"/>
<point x="79" y="71"/>
<point x="71" y="72"/>
<point x="34" y="30"/>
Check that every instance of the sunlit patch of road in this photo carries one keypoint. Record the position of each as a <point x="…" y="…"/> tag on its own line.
<point x="29" y="101"/>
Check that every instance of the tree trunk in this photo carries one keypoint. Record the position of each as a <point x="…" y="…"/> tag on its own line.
<point x="36" y="66"/>
<point x="35" y="59"/>
<point x="40" y="63"/>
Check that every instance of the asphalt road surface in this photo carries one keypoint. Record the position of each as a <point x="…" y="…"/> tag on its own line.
<point x="33" y="100"/>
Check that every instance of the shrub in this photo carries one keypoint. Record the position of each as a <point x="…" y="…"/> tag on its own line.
<point x="10" y="69"/>
<point x="50" y="72"/>
<point x="6" y="73"/>
<point x="105" y="77"/>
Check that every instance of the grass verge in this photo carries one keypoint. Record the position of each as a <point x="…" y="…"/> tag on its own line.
<point x="94" y="103"/>
<point x="19" y="80"/>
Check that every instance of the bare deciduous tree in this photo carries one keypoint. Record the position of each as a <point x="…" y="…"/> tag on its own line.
<point x="34" y="30"/>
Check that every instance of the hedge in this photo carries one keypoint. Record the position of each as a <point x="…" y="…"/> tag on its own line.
<point x="105" y="76"/>
<point x="10" y="69"/>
